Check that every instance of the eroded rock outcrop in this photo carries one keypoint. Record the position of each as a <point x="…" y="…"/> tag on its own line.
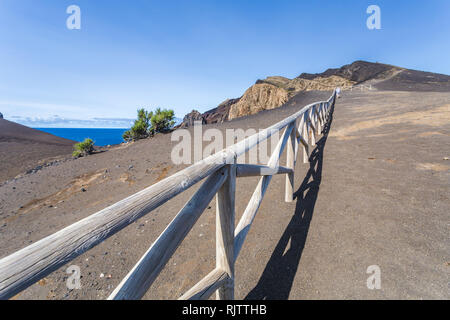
<point x="293" y="86"/>
<point x="261" y="96"/>
<point x="190" y="118"/>
<point x="216" y="115"/>
<point x="220" y="114"/>
<point x="273" y="92"/>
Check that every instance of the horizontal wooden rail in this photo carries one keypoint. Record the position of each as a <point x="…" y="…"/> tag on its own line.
<point x="207" y="286"/>
<point x="139" y="279"/>
<point x="30" y="264"/>
<point x="253" y="170"/>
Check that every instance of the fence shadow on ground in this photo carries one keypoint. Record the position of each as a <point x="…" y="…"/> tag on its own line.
<point x="278" y="276"/>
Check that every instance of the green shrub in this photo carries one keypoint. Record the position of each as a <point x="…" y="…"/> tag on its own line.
<point x="84" y="148"/>
<point x="162" y="120"/>
<point x="140" y="128"/>
<point x="148" y="123"/>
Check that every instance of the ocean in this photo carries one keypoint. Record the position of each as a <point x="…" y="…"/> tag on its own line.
<point x="102" y="137"/>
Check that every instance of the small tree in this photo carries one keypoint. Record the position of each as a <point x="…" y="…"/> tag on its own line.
<point x="149" y="123"/>
<point x="84" y="148"/>
<point x="140" y="128"/>
<point x="162" y="120"/>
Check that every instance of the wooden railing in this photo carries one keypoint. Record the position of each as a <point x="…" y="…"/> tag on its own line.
<point x="28" y="265"/>
<point x="362" y="87"/>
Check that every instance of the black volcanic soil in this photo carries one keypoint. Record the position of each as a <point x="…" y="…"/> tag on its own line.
<point x="375" y="193"/>
<point x="358" y="71"/>
<point x="23" y="148"/>
<point x="387" y="77"/>
<point x="413" y="80"/>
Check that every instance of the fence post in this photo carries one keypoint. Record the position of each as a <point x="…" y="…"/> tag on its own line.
<point x="323" y="113"/>
<point x="290" y="163"/>
<point x="318" y="119"/>
<point x="225" y="215"/>
<point x="296" y="140"/>
<point x="304" y="131"/>
<point x="311" y="130"/>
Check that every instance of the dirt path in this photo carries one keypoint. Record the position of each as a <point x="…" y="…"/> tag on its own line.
<point x="376" y="193"/>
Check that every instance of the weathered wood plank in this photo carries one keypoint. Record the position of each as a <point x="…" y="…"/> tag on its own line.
<point x="322" y="114"/>
<point x="312" y="135"/>
<point x="249" y="214"/>
<point x="252" y="170"/>
<point x="290" y="159"/>
<point x="304" y="143"/>
<point x="297" y="147"/>
<point x="303" y="133"/>
<point x="28" y="265"/>
<point x="317" y="119"/>
<point x="140" y="278"/>
<point x="207" y="286"/>
<point x="225" y="212"/>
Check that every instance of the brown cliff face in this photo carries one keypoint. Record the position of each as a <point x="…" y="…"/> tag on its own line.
<point x="261" y="96"/>
<point x="321" y="84"/>
<point x="298" y="84"/>
<point x="273" y="92"/>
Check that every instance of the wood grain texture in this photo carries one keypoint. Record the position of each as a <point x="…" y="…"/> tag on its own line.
<point x="256" y="170"/>
<point x="297" y="147"/>
<point x="139" y="279"/>
<point x="225" y="213"/>
<point x="207" y="286"/>
<point x="304" y="138"/>
<point x="317" y="119"/>
<point x="312" y="129"/>
<point x="255" y="201"/>
<point x="28" y="265"/>
<point x="290" y="159"/>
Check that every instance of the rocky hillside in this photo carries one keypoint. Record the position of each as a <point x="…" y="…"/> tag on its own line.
<point x="275" y="91"/>
<point x="220" y="114"/>
<point x="357" y="72"/>
<point x="261" y="96"/>
<point x="190" y="118"/>
<point x="216" y="115"/>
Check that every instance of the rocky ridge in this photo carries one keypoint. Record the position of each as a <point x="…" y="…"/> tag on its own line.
<point x="275" y="91"/>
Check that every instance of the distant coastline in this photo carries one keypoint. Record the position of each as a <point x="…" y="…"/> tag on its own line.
<point x="101" y="136"/>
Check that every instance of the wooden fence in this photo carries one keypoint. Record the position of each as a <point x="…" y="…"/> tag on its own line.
<point x="30" y="264"/>
<point x="362" y="87"/>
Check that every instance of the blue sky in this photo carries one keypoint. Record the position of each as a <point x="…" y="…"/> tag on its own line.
<point x="194" y="54"/>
